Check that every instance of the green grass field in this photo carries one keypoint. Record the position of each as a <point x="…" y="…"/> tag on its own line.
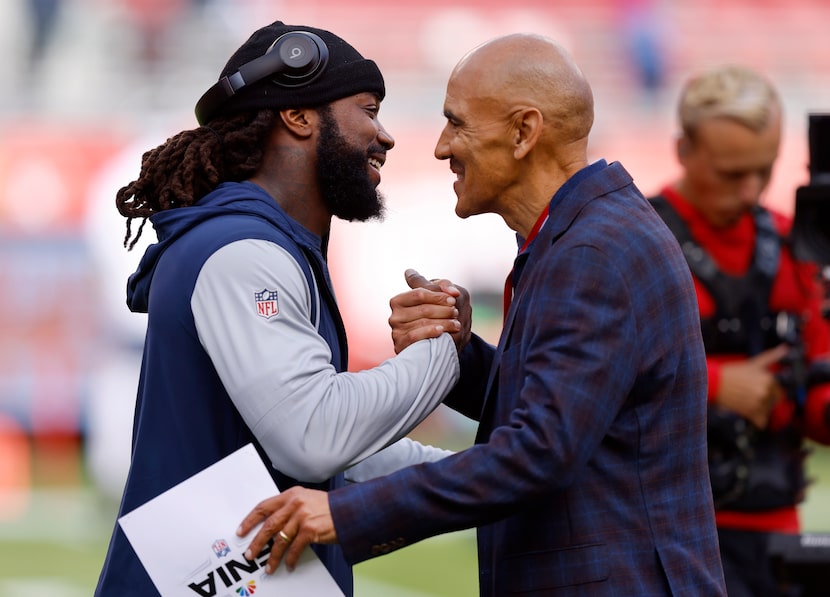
<point x="56" y="547"/>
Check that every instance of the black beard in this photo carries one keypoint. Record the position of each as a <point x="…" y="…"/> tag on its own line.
<point x="345" y="187"/>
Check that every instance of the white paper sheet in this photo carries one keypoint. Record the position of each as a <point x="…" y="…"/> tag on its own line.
<point x="186" y="537"/>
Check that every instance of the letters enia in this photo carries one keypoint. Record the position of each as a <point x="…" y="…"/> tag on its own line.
<point x="229" y="573"/>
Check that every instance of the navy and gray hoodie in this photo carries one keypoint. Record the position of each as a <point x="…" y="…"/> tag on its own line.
<point x="245" y="344"/>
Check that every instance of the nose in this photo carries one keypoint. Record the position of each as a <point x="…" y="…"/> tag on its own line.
<point x="750" y="188"/>
<point x="384" y="138"/>
<point x="442" y="147"/>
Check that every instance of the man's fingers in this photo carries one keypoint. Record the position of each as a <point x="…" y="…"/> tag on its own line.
<point x="258" y="514"/>
<point x="771" y="356"/>
<point x="261" y="539"/>
<point x="426" y="311"/>
<point x="421" y="301"/>
<point x="273" y="516"/>
<point x="288" y="545"/>
<point x="295" y="550"/>
<point x="416" y="280"/>
<point x="403" y="320"/>
<point x="415" y="308"/>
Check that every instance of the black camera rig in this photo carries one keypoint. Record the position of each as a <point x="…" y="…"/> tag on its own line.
<point x="802" y="561"/>
<point x="811" y="225"/>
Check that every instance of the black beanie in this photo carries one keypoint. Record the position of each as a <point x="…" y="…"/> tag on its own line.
<point x="346" y="73"/>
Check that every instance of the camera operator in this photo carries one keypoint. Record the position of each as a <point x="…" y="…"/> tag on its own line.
<point x="760" y="312"/>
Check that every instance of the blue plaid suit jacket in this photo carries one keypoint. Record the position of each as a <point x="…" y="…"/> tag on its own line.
<point x="589" y="472"/>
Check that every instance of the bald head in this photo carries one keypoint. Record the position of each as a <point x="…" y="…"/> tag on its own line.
<point x="532" y="70"/>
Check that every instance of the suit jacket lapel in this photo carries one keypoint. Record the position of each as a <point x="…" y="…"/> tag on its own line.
<point x="561" y="217"/>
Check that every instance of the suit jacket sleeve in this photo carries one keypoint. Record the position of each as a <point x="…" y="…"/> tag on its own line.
<point x="467" y="395"/>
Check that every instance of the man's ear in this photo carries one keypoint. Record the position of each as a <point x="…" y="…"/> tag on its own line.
<point x="299" y="121"/>
<point x="527" y="126"/>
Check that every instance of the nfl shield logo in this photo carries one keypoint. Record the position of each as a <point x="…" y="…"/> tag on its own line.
<point x="220" y="548"/>
<point x="267" y="305"/>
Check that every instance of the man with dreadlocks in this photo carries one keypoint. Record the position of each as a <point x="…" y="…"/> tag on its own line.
<point x="245" y="343"/>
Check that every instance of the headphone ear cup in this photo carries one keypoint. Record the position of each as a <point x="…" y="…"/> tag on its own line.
<point x="303" y="55"/>
<point x="294" y="59"/>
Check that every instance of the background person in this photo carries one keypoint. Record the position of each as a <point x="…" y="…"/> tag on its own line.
<point x="760" y="312"/>
<point x="244" y="337"/>
<point x="588" y="476"/>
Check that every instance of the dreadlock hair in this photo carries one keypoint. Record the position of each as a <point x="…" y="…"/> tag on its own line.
<point x="192" y="163"/>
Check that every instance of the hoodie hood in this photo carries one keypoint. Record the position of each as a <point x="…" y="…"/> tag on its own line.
<point x="229" y="198"/>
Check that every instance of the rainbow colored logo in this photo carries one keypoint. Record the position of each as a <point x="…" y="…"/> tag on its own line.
<point x="248" y="589"/>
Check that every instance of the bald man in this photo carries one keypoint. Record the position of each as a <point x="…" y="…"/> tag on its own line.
<point x="589" y="472"/>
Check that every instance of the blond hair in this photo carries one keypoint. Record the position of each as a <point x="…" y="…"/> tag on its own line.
<point x="733" y="92"/>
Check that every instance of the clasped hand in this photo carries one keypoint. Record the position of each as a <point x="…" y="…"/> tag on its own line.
<point x="429" y="309"/>
<point x="749" y="388"/>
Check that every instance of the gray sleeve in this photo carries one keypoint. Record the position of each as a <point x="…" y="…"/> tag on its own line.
<point x="312" y="421"/>
<point x="404" y="452"/>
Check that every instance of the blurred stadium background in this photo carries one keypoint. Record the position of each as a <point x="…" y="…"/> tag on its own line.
<point x="89" y="85"/>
